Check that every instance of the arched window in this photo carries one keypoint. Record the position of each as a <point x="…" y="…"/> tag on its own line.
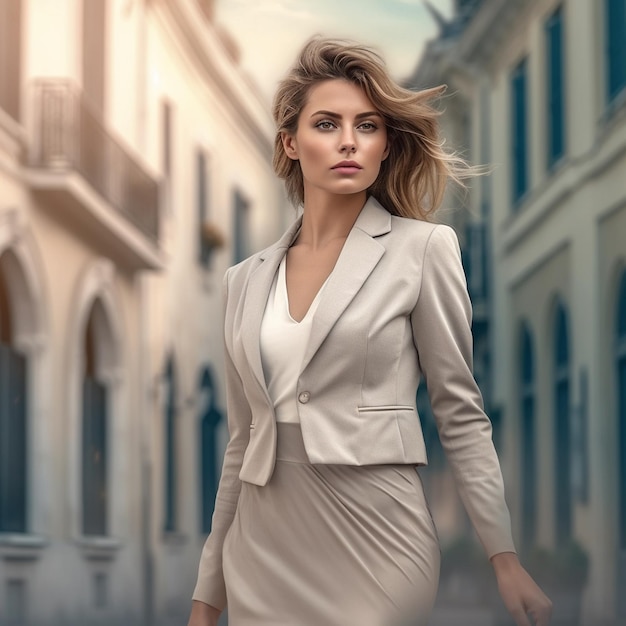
<point x="620" y="364"/>
<point x="170" y="447"/>
<point x="210" y="418"/>
<point x="562" y="429"/>
<point x="529" y="441"/>
<point x="94" y="426"/>
<point x="13" y="427"/>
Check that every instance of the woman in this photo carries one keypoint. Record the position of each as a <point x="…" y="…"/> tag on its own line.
<point x="320" y="517"/>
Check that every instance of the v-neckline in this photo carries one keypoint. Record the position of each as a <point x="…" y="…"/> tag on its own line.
<point x="282" y="279"/>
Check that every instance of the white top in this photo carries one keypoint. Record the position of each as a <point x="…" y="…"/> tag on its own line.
<point x="283" y="344"/>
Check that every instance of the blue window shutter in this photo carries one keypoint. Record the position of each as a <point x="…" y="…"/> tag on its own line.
<point x="519" y="129"/>
<point x="13" y="440"/>
<point x="616" y="46"/>
<point x="555" y="86"/>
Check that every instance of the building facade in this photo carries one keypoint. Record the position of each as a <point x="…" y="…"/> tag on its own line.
<point x="135" y="166"/>
<point x="543" y="84"/>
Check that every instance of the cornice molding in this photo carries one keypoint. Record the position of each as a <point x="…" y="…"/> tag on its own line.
<point x="203" y="42"/>
<point x="489" y="28"/>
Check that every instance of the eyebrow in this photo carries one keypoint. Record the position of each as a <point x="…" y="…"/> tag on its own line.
<point x="339" y="116"/>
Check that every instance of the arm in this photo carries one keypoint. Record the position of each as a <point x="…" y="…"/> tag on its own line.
<point x="441" y="323"/>
<point x="210" y="588"/>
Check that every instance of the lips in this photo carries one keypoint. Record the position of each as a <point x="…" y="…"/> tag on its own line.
<point x="347" y="167"/>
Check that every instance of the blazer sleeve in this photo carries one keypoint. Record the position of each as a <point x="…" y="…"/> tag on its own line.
<point x="441" y="322"/>
<point x="210" y="587"/>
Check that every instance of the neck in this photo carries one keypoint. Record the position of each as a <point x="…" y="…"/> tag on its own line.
<point x="328" y="217"/>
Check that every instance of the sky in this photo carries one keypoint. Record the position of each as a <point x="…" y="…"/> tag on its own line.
<point x="271" y="32"/>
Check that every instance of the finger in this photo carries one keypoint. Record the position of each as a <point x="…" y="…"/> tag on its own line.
<point x="519" y="617"/>
<point x="541" y="616"/>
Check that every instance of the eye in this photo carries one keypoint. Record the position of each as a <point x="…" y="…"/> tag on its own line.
<point x="368" y="126"/>
<point x="325" y="125"/>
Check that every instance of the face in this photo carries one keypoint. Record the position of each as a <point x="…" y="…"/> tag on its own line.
<point x="341" y="139"/>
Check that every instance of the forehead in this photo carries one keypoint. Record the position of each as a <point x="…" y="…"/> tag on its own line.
<point x="337" y="95"/>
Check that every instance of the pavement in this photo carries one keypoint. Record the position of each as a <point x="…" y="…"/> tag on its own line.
<point x="465" y="616"/>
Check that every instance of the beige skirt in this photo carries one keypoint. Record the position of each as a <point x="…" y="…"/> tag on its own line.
<point x="331" y="545"/>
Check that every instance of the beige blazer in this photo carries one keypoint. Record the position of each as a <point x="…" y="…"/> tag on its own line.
<point x="394" y="309"/>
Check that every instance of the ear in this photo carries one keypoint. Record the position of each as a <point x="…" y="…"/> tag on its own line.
<point x="289" y="145"/>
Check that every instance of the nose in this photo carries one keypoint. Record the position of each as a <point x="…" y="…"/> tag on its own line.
<point x="348" y="142"/>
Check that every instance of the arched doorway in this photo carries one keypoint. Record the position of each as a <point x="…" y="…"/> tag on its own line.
<point x="95" y="420"/>
<point x="620" y="379"/>
<point x="13" y="412"/>
<point x="528" y="467"/>
<point x="170" y="512"/>
<point x="210" y="418"/>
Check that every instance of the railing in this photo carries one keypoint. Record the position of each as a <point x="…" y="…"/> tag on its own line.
<point x="71" y="136"/>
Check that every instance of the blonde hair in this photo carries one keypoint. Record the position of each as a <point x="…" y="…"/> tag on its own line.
<point x="412" y="180"/>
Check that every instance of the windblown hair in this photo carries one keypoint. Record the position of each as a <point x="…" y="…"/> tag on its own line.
<point x="412" y="180"/>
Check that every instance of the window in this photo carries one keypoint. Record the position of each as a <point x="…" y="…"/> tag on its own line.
<point x="170" y="448"/>
<point x="10" y="57"/>
<point x="241" y="229"/>
<point x="100" y="590"/>
<point x="562" y="429"/>
<point x="16" y="602"/>
<point x="519" y="131"/>
<point x="528" y="432"/>
<point x="615" y="29"/>
<point x="166" y="138"/>
<point x="204" y="250"/>
<point x="555" y="89"/>
<point x="475" y="261"/>
<point x="210" y="418"/>
<point x="94" y="493"/>
<point x="13" y="427"/>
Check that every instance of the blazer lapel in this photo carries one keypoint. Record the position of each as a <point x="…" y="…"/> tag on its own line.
<point x="257" y="292"/>
<point x="359" y="256"/>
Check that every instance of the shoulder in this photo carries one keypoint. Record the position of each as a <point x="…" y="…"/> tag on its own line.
<point x="236" y="275"/>
<point x="430" y="237"/>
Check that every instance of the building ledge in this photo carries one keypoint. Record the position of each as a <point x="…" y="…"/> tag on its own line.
<point x="21" y="546"/>
<point x="99" y="548"/>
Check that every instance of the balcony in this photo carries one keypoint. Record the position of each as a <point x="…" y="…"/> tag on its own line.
<point x="78" y="170"/>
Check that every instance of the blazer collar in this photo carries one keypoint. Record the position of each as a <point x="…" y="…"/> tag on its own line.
<point x="359" y="256"/>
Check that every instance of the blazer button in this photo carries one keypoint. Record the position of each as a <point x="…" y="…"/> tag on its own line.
<point x="304" y="397"/>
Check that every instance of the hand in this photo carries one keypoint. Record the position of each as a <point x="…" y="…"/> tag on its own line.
<point x="203" y="614"/>
<point x="519" y="592"/>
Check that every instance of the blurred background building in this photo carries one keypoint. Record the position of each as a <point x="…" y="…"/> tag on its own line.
<point x="135" y="166"/>
<point x="538" y="90"/>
